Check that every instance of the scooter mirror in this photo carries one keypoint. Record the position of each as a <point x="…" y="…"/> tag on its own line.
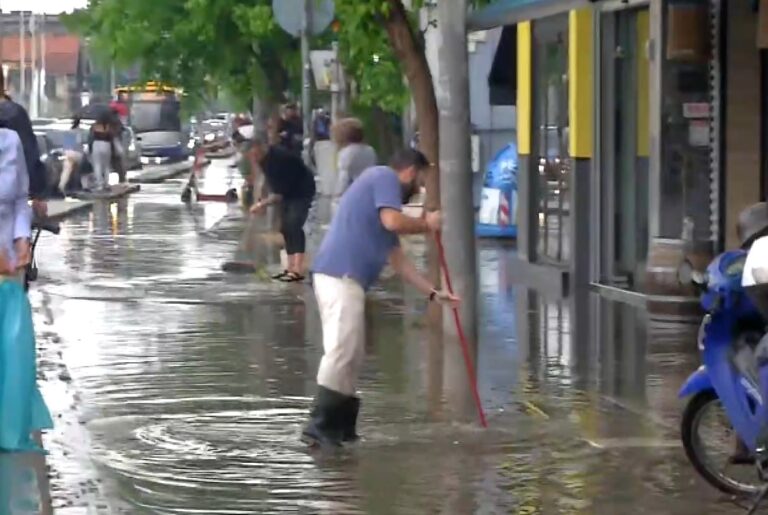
<point x="685" y="273"/>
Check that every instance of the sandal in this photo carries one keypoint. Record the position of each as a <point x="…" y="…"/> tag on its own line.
<point x="291" y="277"/>
<point x="281" y="275"/>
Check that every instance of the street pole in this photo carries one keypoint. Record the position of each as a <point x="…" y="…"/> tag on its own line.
<point x="43" y="77"/>
<point x="22" y="59"/>
<point x="112" y="79"/>
<point x="33" y="107"/>
<point x="336" y="83"/>
<point x="456" y="197"/>
<point x="306" y="91"/>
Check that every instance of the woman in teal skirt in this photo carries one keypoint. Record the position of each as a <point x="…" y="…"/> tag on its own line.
<point x="22" y="408"/>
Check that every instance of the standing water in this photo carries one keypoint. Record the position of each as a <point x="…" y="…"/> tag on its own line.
<point x="180" y="390"/>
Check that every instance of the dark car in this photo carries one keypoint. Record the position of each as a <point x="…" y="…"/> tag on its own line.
<point x="52" y="157"/>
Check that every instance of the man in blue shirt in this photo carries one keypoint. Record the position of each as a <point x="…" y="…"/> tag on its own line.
<point x="362" y="238"/>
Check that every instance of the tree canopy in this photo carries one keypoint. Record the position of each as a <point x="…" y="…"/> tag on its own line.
<point x="237" y="45"/>
<point x="196" y="44"/>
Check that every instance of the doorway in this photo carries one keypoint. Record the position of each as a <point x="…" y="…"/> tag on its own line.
<point x="550" y="115"/>
<point x="624" y="182"/>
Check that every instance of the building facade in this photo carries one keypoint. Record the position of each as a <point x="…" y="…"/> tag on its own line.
<point x="619" y="119"/>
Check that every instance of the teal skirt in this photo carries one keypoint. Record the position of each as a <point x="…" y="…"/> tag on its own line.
<point x="22" y="408"/>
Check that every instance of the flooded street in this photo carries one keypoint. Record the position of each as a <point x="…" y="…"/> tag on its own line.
<point x="178" y="389"/>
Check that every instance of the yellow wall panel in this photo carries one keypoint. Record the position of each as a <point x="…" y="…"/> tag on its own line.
<point x="580" y="82"/>
<point x="524" y="87"/>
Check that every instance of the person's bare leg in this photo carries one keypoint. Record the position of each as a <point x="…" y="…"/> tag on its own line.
<point x="298" y="264"/>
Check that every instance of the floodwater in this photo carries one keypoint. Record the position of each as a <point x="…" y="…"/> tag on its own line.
<point x="178" y="389"/>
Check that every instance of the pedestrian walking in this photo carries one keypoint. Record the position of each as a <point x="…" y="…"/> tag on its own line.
<point x="355" y="156"/>
<point x="363" y="236"/>
<point x="22" y="409"/>
<point x="100" y="148"/>
<point x="291" y="186"/>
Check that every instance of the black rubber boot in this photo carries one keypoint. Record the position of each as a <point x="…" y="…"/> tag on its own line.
<point x="351" y="411"/>
<point x="327" y="419"/>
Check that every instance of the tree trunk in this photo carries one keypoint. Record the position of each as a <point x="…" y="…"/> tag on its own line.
<point x="410" y="53"/>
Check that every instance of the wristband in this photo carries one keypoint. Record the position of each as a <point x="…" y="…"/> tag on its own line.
<point x="432" y="295"/>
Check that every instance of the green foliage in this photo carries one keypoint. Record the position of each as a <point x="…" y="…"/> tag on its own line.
<point x="199" y="45"/>
<point x="367" y="53"/>
<point x="203" y="45"/>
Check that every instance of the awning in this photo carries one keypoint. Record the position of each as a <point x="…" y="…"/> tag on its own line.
<point x="508" y="12"/>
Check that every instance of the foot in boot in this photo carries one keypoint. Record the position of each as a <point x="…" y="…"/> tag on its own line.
<point x="352" y="410"/>
<point x="327" y="419"/>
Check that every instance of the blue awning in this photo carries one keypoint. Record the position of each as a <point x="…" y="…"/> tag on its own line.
<point x="509" y="12"/>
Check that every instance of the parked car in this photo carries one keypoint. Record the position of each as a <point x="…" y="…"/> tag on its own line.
<point x="215" y="134"/>
<point x="52" y="157"/>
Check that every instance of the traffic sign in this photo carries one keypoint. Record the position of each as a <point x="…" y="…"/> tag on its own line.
<point x="289" y="14"/>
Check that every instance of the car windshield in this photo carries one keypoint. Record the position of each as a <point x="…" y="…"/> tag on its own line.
<point x="156" y="116"/>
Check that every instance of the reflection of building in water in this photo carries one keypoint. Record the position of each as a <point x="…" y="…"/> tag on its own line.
<point x="591" y="344"/>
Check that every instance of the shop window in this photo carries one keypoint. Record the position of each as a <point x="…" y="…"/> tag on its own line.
<point x="502" y="80"/>
<point x="551" y="125"/>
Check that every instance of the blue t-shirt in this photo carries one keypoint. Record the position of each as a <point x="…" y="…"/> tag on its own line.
<point x="357" y="244"/>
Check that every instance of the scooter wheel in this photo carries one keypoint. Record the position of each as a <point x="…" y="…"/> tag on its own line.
<point x="717" y="476"/>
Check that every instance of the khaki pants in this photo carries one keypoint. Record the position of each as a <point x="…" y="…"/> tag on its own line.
<point x="342" y="313"/>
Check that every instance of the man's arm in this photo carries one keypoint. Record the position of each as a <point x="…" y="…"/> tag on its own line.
<point x="396" y="222"/>
<point x="407" y="270"/>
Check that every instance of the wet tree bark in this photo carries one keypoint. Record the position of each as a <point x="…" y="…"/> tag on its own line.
<point x="411" y="54"/>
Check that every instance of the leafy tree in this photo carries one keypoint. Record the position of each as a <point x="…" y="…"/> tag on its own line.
<point x="196" y="44"/>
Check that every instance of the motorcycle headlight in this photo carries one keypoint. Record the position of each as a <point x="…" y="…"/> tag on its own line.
<point x="209" y="137"/>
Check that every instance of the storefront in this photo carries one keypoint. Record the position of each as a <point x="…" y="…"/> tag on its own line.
<point x="617" y="135"/>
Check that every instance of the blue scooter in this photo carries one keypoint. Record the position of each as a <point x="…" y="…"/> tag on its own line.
<point x="734" y="375"/>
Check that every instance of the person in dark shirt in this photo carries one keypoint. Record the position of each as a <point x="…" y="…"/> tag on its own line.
<point x="13" y="116"/>
<point x="291" y="130"/>
<point x="292" y="185"/>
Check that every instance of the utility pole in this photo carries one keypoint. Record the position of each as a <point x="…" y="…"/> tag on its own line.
<point x="22" y="59"/>
<point x="335" y="83"/>
<point x="452" y="91"/>
<point x="306" y="91"/>
<point x="33" y="107"/>
<point x="43" y="76"/>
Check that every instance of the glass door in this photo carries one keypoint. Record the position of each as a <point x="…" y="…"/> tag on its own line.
<point x="550" y="75"/>
<point x="624" y="171"/>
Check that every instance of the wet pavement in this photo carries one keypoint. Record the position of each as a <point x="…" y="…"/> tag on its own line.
<point x="178" y="389"/>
